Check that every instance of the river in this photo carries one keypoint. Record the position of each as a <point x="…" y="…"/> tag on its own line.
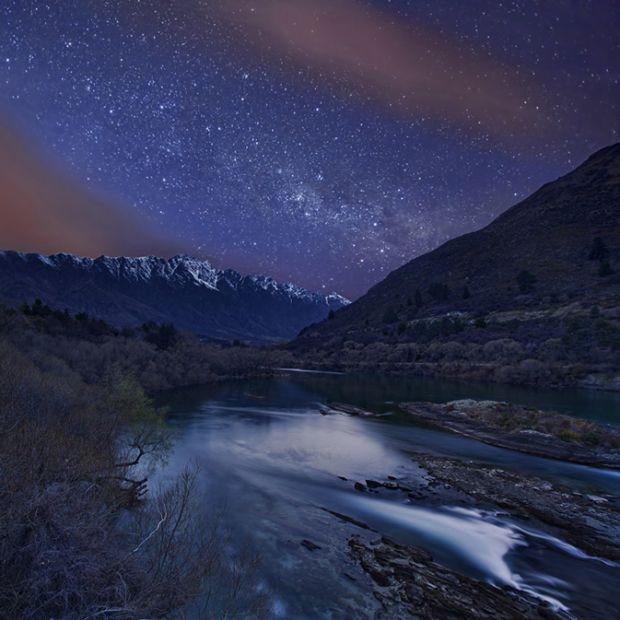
<point x="272" y="467"/>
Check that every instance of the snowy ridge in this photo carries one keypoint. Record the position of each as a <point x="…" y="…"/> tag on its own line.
<point x="181" y="270"/>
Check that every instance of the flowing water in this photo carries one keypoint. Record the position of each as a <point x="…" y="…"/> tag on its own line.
<point x="271" y="468"/>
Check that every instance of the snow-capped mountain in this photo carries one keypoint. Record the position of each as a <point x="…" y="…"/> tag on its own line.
<point x="186" y="291"/>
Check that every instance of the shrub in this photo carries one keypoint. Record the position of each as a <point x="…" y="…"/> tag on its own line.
<point x="418" y="298"/>
<point x="503" y="349"/>
<point x="568" y="435"/>
<point x="439" y="291"/>
<point x="526" y="281"/>
<point x="80" y="535"/>
<point x="390" y="316"/>
<point x="599" y="250"/>
<point x="591" y="438"/>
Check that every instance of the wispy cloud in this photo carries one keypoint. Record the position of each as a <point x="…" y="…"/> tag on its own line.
<point x="408" y="67"/>
<point x="42" y="209"/>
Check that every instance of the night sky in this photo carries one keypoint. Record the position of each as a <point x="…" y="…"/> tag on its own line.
<point x="324" y="142"/>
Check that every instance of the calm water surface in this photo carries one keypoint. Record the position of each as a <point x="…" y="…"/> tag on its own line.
<point x="270" y="467"/>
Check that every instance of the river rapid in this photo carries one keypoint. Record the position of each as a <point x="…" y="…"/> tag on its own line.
<point x="274" y="471"/>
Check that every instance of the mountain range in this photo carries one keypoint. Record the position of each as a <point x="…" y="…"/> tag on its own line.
<point x="191" y="293"/>
<point x="534" y="297"/>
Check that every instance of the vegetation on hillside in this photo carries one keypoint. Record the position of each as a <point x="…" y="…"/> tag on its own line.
<point x="157" y="356"/>
<point x="558" y="345"/>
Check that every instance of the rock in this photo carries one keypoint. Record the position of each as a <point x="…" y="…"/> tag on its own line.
<point x="358" y="486"/>
<point x="350" y="410"/>
<point x="597" y="499"/>
<point x="590" y="525"/>
<point x="308" y="544"/>
<point x="373" y="484"/>
<point x="348" y="519"/>
<point x="602" y="382"/>
<point x="411" y="585"/>
<point x="416" y="495"/>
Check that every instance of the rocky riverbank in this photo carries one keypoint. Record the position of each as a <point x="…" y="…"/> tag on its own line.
<point x="542" y="433"/>
<point x="589" y="522"/>
<point x="409" y="584"/>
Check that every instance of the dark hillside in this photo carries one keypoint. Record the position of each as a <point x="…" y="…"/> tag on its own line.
<point x="548" y="269"/>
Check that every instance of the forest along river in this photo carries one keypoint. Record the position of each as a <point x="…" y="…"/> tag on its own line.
<point x="270" y="465"/>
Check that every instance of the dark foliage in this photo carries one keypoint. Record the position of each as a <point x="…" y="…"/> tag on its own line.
<point x="390" y="316"/>
<point x="439" y="291"/>
<point x="163" y="336"/>
<point x="158" y="356"/>
<point x="418" y="298"/>
<point x="599" y="251"/>
<point x="82" y="535"/>
<point x="526" y="281"/>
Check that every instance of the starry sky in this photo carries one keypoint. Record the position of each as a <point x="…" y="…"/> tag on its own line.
<point x="323" y="142"/>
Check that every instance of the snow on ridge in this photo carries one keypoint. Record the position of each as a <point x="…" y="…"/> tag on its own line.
<point x="294" y="290"/>
<point x="182" y="268"/>
<point x="337" y="298"/>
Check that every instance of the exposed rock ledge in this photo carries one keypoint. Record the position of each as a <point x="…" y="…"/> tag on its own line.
<point x="409" y="584"/>
<point x="589" y="522"/>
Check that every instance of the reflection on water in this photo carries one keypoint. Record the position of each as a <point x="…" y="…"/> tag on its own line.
<point x="271" y="464"/>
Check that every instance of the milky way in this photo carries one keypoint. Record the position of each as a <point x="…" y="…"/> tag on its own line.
<point x="320" y="142"/>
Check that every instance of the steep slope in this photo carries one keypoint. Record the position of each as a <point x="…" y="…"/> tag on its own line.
<point x="555" y="253"/>
<point x="188" y="292"/>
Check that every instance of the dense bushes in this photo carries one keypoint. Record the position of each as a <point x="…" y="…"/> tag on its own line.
<point x="157" y="356"/>
<point x="523" y="349"/>
<point x="526" y="281"/>
<point x="81" y="533"/>
<point x="439" y="291"/>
